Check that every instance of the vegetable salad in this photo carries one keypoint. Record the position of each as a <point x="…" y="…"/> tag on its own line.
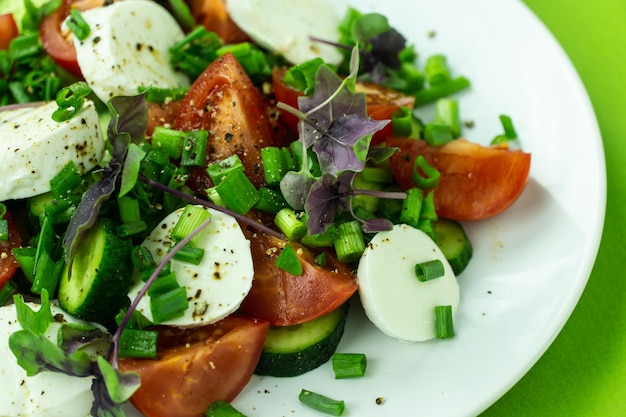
<point x="192" y="197"/>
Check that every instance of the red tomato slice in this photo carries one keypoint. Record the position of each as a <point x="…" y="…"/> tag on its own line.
<point x="8" y="264"/>
<point x="286" y="299"/>
<point x="224" y="101"/>
<point x="57" y="44"/>
<point x="8" y="30"/>
<point x="476" y="182"/>
<point x="381" y="103"/>
<point x="212" y="14"/>
<point x="197" y="366"/>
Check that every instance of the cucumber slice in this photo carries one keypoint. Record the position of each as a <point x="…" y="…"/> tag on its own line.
<point x="454" y="243"/>
<point x="101" y="275"/>
<point x="294" y="350"/>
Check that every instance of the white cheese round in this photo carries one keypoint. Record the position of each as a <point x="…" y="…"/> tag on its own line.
<point x="34" y="148"/>
<point x="286" y="27"/>
<point x="217" y="286"/>
<point x="393" y="298"/>
<point x="45" y="394"/>
<point x="128" y="46"/>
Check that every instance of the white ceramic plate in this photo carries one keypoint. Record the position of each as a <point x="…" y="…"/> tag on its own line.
<point x="530" y="263"/>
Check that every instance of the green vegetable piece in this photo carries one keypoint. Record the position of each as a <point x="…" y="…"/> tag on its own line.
<point x="443" y="322"/>
<point x="349" y="245"/>
<point x="65" y="180"/>
<point x="77" y="24"/>
<point x="222" y="408"/>
<point x="322" y="403"/>
<point x="301" y="77"/>
<point x="412" y="207"/>
<point x="169" y="305"/>
<point x="190" y="254"/>
<point x="4" y="230"/>
<point x="437" y="71"/>
<point x="7" y="291"/>
<point x="424" y="176"/>
<point x="190" y="219"/>
<point x="290" y="224"/>
<point x="219" y="170"/>
<point x="237" y="192"/>
<point x="289" y="262"/>
<point x="425" y="271"/>
<point x="120" y="385"/>
<point x="436" y="134"/>
<point x="194" y="148"/>
<point x="70" y="100"/>
<point x="349" y="365"/>
<point x="138" y="343"/>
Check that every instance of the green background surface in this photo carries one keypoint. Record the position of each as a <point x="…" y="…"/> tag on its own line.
<point x="583" y="373"/>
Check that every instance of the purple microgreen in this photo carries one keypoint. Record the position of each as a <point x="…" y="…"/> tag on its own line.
<point x="75" y="336"/>
<point x="35" y="321"/>
<point x="379" y="154"/>
<point x="195" y="200"/>
<point x="130" y="171"/>
<point x="129" y="117"/>
<point x="376" y="225"/>
<point x="103" y="403"/>
<point x="295" y="187"/>
<point x="326" y="198"/>
<point x="120" y="385"/>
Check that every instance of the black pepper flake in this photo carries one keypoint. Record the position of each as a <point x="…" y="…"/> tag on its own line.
<point x="228" y="137"/>
<point x="379" y="400"/>
<point x="96" y="40"/>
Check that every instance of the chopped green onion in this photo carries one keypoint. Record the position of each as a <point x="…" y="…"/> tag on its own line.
<point x="6" y="291"/>
<point x="321" y="240"/>
<point x="428" y="95"/>
<point x="437" y="71"/>
<point x="25" y="46"/>
<point x="289" y="262"/>
<point x="237" y="192"/>
<point x="412" y="207"/>
<point x="322" y="403"/>
<point x="377" y="175"/>
<point x="430" y="177"/>
<point x="507" y="125"/>
<point x="70" y="100"/>
<point x="190" y="254"/>
<point x="219" y="170"/>
<point x="301" y="77"/>
<point x="163" y="95"/>
<point x="129" y="209"/>
<point x="131" y="228"/>
<point x="429" y="211"/>
<point x="170" y="140"/>
<point x="251" y="58"/>
<point x="349" y="245"/>
<point x="425" y="271"/>
<point x="77" y="24"/>
<point x="25" y="258"/>
<point x="147" y="273"/>
<point x="182" y="14"/>
<point x="222" y="408"/>
<point x="3" y="210"/>
<point x="47" y="274"/>
<point x="195" y="51"/>
<point x="194" y="148"/>
<point x="290" y="224"/>
<point x="412" y="76"/>
<point x="443" y="322"/>
<point x="164" y="283"/>
<point x="436" y="134"/>
<point x="169" y="305"/>
<point x="270" y="200"/>
<point x="135" y="343"/>
<point x="274" y="165"/>
<point x="426" y="226"/>
<point x="447" y="113"/>
<point x="65" y="180"/>
<point x="349" y="365"/>
<point x="402" y="122"/>
<point x="142" y="258"/>
<point x="4" y="230"/>
<point x="190" y="219"/>
<point x="321" y="259"/>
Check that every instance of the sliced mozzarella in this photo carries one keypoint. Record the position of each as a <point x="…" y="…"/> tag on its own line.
<point x="128" y="46"/>
<point x="45" y="394"/>
<point x="393" y="298"/>
<point x="286" y="27"/>
<point x="34" y="148"/>
<point x="217" y="286"/>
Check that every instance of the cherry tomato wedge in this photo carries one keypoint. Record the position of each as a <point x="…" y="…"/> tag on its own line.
<point x="476" y="181"/>
<point x="8" y="264"/>
<point x="381" y="103"/>
<point x="212" y="14"/>
<point x="197" y="366"/>
<point x="285" y="299"/>
<point x="8" y="30"/>
<point x="57" y="44"/>
<point x="224" y="101"/>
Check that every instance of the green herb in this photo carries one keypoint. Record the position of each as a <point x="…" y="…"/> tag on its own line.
<point x="425" y="271"/>
<point x="322" y="403"/>
<point x="289" y="262"/>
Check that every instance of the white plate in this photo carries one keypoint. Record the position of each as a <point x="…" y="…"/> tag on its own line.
<point x="530" y="263"/>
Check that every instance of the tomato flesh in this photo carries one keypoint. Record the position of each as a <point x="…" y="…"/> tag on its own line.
<point x="212" y="14"/>
<point x="8" y="264"/>
<point x="224" y="101"/>
<point x="285" y="299"/>
<point x="197" y="366"/>
<point x="476" y="182"/>
<point x="8" y="30"/>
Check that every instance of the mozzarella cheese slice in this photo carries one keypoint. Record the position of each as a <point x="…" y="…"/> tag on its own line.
<point x="393" y="298"/>
<point x="34" y="148"/>
<point x="217" y="286"/>
<point x="45" y="394"/>
<point x="286" y="27"/>
<point x="128" y="46"/>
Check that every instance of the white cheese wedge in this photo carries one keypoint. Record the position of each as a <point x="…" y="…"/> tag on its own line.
<point x="128" y="46"/>
<point x="286" y="27"/>
<point x="217" y="286"/>
<point x="393" y="298"/>
<point x="45" y="394"/>
<point x="34" y="148"/>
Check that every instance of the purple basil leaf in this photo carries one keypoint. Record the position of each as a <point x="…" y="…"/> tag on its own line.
<point x="377" y="225"/>
<point x="346" y="145"/>
<point x="379" y="154"/>
<point x="73" y="336"/>
<point x="387" y="46"/>
<point x="326" y="198"/>
<point x="129" y="116"/>
<point x="295" y="188"/>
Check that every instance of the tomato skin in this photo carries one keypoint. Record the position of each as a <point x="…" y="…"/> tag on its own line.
<point x="476" y="182"/>
<point x="381" y="103"/>
<point x="8" y="30"/>
<point x="286" y="299"/>
<point x="212" y="14"/>
<point x="8" y="264"/>
<point x="197" y="366"/>
<point x="224" y="101"/>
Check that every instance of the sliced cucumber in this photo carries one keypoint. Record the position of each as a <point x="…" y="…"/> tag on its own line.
<point x="294" y="350"/>
<point x="454" y="243"/>
<point x="101" y="275"/>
